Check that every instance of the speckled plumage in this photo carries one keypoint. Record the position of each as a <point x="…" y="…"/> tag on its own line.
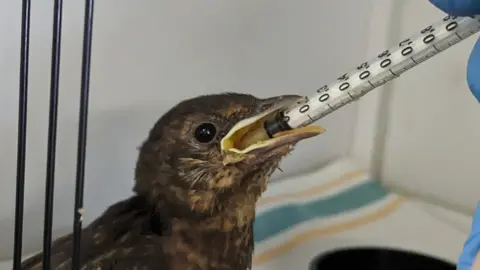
<point x="190" y="212"/>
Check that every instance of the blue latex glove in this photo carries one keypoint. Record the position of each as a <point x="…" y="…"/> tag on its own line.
<point x="466" y="8"/>
<point x="472" y="245"/>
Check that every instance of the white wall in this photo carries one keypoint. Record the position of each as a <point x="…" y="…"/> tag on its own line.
<point x="147" y="56"/>
<point x="433" y="123"/>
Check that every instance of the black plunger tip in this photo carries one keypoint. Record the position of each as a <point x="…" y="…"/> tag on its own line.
<point x="276" y="125"/>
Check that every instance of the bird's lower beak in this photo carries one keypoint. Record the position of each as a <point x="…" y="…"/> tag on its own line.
<point x="248" y="142"/>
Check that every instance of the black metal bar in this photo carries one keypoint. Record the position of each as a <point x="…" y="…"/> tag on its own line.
<point x="52" y="133"/>
<point x="22" y="135"/>
<point x="82" y="133"/>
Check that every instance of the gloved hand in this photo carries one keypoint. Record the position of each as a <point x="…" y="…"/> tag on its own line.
<point x="471" y="248"/>
<point x="470" y="253"/>
<point x="466" y="8"/>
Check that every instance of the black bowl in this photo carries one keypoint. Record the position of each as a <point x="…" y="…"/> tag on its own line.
<point x="366" y="258"/>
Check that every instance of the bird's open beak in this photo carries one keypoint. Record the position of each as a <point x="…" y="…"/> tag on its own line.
<point x="247" y="140"/>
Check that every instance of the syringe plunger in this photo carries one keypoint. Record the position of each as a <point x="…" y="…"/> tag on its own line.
<point x="276" y="125"/>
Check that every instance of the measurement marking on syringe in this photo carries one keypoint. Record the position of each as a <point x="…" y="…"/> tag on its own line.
<point x="428" y="39"/>
<point x="372" y="74"/>
<point x="393" y="73"/>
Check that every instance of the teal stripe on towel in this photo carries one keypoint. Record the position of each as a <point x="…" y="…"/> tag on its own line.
<point x="277" y="220"/>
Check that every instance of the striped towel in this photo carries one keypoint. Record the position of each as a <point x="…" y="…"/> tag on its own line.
<point x="298" y="218"/>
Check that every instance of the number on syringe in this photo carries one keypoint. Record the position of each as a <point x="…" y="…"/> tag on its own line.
<point x="322" y="89"/>
<point x="428" y="29"/>
<point x="407" y="50"/>
<point x="363" y="65"/>
<point x="384" y="54"/>
<point x="325" y="96"/>
<point x="386" y="62"/>
<point x="365" y="74"/>
<point x="304" y="108"/>
<point x="448" y="17"/>
<point x="430" y="37"/>
<point x="344" y="77"/>
<point x="344" y="86"/>
<point x="452" y="25"/>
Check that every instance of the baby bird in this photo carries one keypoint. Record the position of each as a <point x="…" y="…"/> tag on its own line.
<point x="194" y="206"/>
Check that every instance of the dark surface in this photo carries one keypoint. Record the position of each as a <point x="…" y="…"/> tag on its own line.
<point x="360" y="258"/>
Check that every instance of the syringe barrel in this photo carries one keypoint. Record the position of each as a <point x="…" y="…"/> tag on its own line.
<point x="371" y="74"/>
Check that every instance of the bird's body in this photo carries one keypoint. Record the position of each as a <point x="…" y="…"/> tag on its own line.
<point x="192" y="210"/>
<point x="129" y="235"/>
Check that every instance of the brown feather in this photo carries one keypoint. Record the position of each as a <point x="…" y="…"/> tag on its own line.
<point x="190" y="211"/>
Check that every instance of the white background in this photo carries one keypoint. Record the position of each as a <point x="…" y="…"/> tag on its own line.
<point x="149" y="55"/>
<point x="432" y="130"/>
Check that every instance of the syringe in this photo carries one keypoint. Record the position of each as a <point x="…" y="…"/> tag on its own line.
<point x="387" y="66"/>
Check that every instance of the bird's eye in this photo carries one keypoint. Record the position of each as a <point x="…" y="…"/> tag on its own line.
<point x="205" y="132"/>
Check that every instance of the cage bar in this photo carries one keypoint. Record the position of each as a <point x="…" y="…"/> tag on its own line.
<point x="82" y="133"/>
<point x="52" y="132"/>
<point x="22" y="134"/>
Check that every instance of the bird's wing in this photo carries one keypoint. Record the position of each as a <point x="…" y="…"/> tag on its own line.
<point x="118" y="258"/>
<point x="123" y="258"/>
<point x="117" y="237"/>
<point x="61" y="254"/>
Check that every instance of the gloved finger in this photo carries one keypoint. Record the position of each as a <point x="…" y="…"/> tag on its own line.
<point x="472" y="245"/>
<point x="458" y="7"/>
<point x="473" y="71"/>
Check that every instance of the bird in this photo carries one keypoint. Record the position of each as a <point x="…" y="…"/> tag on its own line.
<point x="197" y="179"/>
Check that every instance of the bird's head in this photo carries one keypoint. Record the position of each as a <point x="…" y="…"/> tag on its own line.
<point x="196" y="161"/>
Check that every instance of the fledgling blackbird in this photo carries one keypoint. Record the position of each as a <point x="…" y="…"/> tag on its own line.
<point x="197" y="180"/>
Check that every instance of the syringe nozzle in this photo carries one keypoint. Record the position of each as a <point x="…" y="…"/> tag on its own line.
<point x="275" y="125"/>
